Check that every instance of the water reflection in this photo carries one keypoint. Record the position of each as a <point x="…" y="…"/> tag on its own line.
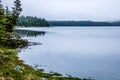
<point x="30" y="33"/>
<point x="82" y="52"/>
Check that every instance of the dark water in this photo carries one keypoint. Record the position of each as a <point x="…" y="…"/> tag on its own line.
<point x="82" y="52"/>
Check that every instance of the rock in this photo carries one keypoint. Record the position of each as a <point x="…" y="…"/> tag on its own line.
<point x="15" y="41"/>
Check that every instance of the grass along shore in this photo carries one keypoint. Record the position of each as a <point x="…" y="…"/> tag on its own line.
<point x="12" y="68"/>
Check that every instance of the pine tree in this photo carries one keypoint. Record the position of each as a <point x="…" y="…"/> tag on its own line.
<point x="2" y="23"/>
<point x="12" y="17"/>
<point x="16" y="10"/>
<point x="9" y="25"/>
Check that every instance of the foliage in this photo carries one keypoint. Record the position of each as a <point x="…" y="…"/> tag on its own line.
<point x="2" y="35"/>
<point x="31" y="21"/>
<point x="8" y="20"/>
<point x="2" y="23"/>
<point x="17" y="8"/>
<point x="12" y="17"/>
<point x="83" y="23"/>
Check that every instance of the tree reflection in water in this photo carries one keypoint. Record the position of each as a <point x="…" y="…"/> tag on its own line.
<point x="30" y="33"/>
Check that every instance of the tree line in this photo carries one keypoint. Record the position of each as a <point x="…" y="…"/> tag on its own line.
<point x="83" y="23"/>
<point x="31" y="21"/>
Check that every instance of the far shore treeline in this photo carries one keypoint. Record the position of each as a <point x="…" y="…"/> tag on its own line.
<point x="83" y="23"/>
<point x="41" y="22"/>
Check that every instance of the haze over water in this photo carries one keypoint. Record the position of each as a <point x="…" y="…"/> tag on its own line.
<point x="77" y="51"/>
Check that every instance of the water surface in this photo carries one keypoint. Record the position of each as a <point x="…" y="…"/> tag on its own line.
<point x="78" y="51"/>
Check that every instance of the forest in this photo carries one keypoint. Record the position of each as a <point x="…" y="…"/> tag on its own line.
<point x="83" y="23"/>
<point x="31" y="21"/>
<point x="28" y="21"/>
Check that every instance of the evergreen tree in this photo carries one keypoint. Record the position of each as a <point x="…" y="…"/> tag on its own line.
<point x="16" y="9"/>
<point x="9" y="25"/>
<point x="2" y="23"/>
<point x="12" y="17"/>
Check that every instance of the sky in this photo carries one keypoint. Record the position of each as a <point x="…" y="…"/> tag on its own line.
<point x="95" y="10"/>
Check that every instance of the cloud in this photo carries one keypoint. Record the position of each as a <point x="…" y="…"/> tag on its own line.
<point x="72" y="9"/>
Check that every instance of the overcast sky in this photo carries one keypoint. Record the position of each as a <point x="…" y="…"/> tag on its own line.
<point x="100" y="10"/>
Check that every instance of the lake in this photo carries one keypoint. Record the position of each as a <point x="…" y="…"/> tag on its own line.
<point x="77" y="51"/>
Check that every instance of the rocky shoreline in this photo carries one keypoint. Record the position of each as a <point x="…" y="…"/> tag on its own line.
<point x="15" y="41"/>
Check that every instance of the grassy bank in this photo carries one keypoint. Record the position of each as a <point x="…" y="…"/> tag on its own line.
<point x="12" y="68"/>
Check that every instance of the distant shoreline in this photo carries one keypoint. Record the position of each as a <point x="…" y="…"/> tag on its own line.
<point x="59" y="26"/>
<point x="30" y="26"/>
<point x="83" y="23"/>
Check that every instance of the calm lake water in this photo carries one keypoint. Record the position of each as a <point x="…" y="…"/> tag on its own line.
<point x="77" y="51"/>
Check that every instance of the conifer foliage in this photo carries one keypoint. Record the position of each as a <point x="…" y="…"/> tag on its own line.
<point x="8" y="19"/>
<point x="2" y="23"/>
<point x="28" y="21"/>
<point x="13" y="16"/>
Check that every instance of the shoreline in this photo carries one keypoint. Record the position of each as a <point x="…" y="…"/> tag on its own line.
<point x="18" y="70"/>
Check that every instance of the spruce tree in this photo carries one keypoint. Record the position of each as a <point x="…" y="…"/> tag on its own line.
<point x="12" y="17"/>
<point x="16" y="10"/>
<point x="2" y="23"/>
<point x="9" y="25"/>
